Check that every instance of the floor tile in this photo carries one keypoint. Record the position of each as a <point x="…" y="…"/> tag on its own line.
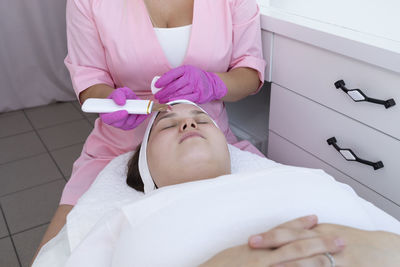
<point x="8" y="113"/>
<point x="88" y="115"/>
<point x="91" y="115"/>
<point x="8" y="258"/>
<point x="20" y="146"/>
<point x="14" y="124"/>
<point x="92" y="120"/>
<point x="66" y="134"/>
<point x="76" y="105"/>
<point x="3" y="227"/>
<point x="27" y="242"/>
<point x="25" y="173"/>
<point x="65" y="157"/>
<point x="53" y="114"/>
<point x="32" y="207"/>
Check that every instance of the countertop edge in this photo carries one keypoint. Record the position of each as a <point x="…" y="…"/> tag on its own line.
<point x="368" y="48"/>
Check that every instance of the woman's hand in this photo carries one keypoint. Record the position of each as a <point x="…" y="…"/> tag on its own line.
<point x="121" y="119"/>
<point x="348" y="246"/>
<point x="239" y="256"/>
<point x="245" y="256"/>
<point x="190" y="83"/>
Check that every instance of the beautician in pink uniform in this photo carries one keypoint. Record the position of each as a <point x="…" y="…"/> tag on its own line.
<point x="206" y="51"/>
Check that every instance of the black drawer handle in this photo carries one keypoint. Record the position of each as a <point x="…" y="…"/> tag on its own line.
<point x="350" y="156"/>
<point x="357" y="95"/>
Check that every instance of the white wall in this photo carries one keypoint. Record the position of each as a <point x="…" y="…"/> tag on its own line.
<point x="32" y="49"/>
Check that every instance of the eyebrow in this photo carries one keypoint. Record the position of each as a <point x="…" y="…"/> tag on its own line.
<point x="173" y="114"/>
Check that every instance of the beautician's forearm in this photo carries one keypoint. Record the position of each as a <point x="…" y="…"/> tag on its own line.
<point x="96" y="91"/>
<point x="57" y="222"/>
<point x="240" y="82"/>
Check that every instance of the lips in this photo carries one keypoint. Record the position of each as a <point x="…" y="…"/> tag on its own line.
<point x="190" y="135"/>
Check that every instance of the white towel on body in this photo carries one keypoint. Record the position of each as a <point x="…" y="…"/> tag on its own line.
<point x="184" y="225"/>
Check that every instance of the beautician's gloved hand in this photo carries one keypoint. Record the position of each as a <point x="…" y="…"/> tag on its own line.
<point x="121" y="119"/>
<point x="190" y="83"/>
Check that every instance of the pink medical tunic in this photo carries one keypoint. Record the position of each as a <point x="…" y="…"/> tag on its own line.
<point x="113" y="42"/>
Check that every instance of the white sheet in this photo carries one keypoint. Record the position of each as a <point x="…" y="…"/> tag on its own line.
<point x="55" y="252"/>
<point x="184" y="225"/>
<point x="109" y="192"/>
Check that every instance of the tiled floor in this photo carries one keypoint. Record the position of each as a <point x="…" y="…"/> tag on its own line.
<point x="37" y="149"/>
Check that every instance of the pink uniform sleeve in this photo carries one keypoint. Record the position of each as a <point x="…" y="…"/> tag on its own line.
<point x="247" y="47"/>
<point x="86" y="60"/>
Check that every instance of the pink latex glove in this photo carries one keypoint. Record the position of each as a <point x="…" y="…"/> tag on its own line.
<point x="121" y="119"/>
<point x="190" y="83"/>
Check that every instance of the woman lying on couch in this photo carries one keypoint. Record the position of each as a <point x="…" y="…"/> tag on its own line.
<point x="194" y="208"/>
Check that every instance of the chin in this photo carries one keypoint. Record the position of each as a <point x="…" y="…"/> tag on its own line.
<point x="194" y="144"/>
<point x="199" y="173"/>
<point x="202" y="168"/>
<point x="196" y="154"/>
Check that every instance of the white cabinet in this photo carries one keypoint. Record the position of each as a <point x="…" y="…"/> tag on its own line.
<point x="312" y="72"/>
<point x="288" y="153"/>
<point x="306" y="109"/>
<point x="309" y="125"/>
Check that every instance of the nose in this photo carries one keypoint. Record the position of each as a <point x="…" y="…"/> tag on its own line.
<point x="188" y="124"/>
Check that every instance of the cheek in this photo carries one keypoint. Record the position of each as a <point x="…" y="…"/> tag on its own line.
<point x="159" y="141"/>
<point x="220" y="144"/>
<point x="159" y="157"/>
<point x="155" y="151"/>
<point x="217" y="138"/>
<point x="223" y="144"/>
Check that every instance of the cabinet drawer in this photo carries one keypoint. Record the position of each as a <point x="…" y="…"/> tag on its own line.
<point x="309" y="125"/>
<point x="312" y="72"/>
<point x="285" y="152"/>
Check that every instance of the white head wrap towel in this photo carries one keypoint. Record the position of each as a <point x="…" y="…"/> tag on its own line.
<point x="143" y="166"/>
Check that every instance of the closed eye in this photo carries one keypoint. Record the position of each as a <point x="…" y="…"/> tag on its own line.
<point x="169" y="126"/>
<point x="202" y="119"/>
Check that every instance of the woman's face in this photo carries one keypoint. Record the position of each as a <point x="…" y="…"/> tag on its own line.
<point x="184" y="145"/>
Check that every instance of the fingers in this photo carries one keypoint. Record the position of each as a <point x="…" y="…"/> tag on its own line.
<point x="305" y="222"/>
<point x="120" y="95"/>
<point x="129" y="94"/>
<point x="281" y="236"/>
<point x="298" y="243"/>
<point x="121" y="119"/>
<point x="130" y="122"/>
<point x="191" y="97"/>
<point x="133" y="121"/>
<point x="184" y="93"/>
<point x="285" y="233"/>
<point x="170" y="76"/>
<point x="307" y="248"/>
<point x="114" y="118"/>
<point x="316" y="261"/>
<point x="173" y="88"/>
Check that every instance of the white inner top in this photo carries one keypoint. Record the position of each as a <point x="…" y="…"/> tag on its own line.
<point x="174" y="43"/>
